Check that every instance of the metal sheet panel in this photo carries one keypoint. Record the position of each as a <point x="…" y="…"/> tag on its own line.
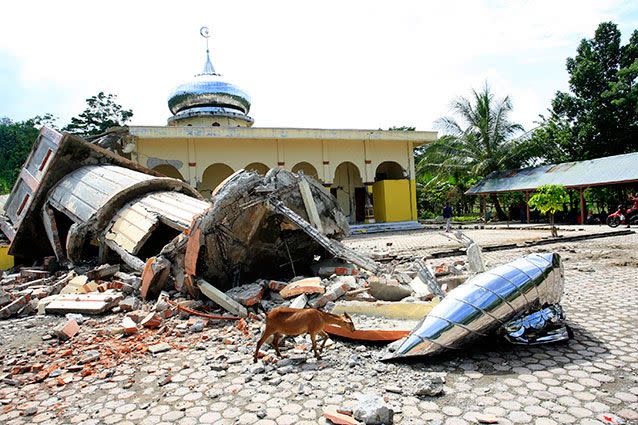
<point x="594" y="172"/>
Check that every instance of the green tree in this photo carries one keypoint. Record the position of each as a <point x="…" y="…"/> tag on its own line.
<point x="101" y="113"/>
<point x="477" y="141"/>
<point x="548" y="199"/>
<point x="402" y="128"/>
<point x="16" y="140"/>
<point x="599" y="115"/>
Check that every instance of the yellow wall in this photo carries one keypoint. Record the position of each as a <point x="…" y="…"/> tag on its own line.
<point x="197" y="148"/>
<point x="6" y="260"/>
<point x="392" y="201"/>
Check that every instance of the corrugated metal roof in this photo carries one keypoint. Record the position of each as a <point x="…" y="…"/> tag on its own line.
<point x="594" y="172"/>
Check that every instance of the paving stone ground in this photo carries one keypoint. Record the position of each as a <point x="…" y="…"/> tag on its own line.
<point x="593" y="376"/>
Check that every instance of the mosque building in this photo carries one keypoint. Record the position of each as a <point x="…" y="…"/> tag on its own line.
<point x="210" y="136"/>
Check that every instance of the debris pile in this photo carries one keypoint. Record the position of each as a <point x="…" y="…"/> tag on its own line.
<point x="123" y="239"/>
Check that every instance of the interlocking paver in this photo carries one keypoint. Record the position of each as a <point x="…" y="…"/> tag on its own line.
<point x="593" y="375"/>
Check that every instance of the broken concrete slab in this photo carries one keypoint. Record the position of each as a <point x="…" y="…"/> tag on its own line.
<point x="388" y="289"/>
<point x="372" y="410"/>
<point x="134" y="281"/>
<point x="430" y="387"/>
<point x="247" y="295"/>
<point x="390" y="310"/>
<point x="221" y="299"/>
<point x="129" y="303"/>
<point x="5" y="298"/>
<point x="32" y="274"/>
<point x="310" y="285"/>
<point x="14" y="307"/>
<point x="93" y="303"/>
<point x="475" y="258"/>
<point x="75" y="285"/>
<point x="426" y="275"/>
<point x="130" y="327"/>
<point x="333" y="293"/>
<point x="159" y="348"/>
<point x="299" y="302"/>
<point x="309" y="203"/>
<point x="103" y="271"/>
<point x="421" y="290"/>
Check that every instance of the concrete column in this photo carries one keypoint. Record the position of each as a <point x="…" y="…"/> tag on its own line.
<point x="191" y="170"/>
<point x="527" y="206"/>
<point x="326" y="172"/>
<point x="411" y="165"/>
<point x="281" y="159"/>
<point x="368" y="172"/>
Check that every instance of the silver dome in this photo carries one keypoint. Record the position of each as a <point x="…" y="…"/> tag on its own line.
<point x="208" y="90"/>
<point x="208" y="94"/>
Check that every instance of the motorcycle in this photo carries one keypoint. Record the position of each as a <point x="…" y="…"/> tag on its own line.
<point x="618" y="218"/>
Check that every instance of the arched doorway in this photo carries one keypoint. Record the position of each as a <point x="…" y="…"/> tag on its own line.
<point x="257" y="167"/>
<point x="212" y="177"/>
<point x="307" y="168"/>
<point x="350" y="192"/>
<point x="169" y="171"/>
<point x="389" y="170"/>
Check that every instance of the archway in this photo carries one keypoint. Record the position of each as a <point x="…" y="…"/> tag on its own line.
<point x="257" y="167"/>
<point x="212" y="177"/>
<point x="389" y="170"/>
<point x="307" y="168"/>
<point x="169" y="171"/>
<point x="350" y="192"/>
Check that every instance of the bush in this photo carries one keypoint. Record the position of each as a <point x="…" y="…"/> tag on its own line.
<point x="466" y="218"/>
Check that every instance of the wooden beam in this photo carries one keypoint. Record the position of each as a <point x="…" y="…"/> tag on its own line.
<point x="582" y="206"/>
<point x="309" y="203"/>
<point x="484" y="209"/>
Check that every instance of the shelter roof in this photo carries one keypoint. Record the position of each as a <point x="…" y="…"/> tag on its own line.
<point x="608" y="170"/>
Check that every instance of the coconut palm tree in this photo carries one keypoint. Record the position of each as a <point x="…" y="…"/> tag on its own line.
<point x="478" y="140"/>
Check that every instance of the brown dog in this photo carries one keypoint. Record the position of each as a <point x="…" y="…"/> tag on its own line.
<point x="294" y="321"/>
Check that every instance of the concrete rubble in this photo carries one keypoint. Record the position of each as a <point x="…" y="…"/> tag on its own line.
<point x="118" y="234"/>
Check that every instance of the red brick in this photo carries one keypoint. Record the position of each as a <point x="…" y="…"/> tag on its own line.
<point x="339" y="418"/>
<point x="152" y="320"/>
<point x="311" y="285"/>
<point x="69" y="330"/>
<point x="275" y="285"/>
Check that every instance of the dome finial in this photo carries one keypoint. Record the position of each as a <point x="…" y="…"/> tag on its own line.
<point x="208" y="66"/>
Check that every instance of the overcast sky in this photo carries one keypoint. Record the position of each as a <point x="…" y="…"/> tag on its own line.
<point x="328" y="64"/>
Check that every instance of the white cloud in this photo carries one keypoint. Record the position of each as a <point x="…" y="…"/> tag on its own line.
<point x="323" y="64"/>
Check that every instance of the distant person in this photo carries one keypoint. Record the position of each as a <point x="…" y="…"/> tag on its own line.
<point x="634" y="208"/>
<point x="592" y="219"/>
<point x="447" y="215"/>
